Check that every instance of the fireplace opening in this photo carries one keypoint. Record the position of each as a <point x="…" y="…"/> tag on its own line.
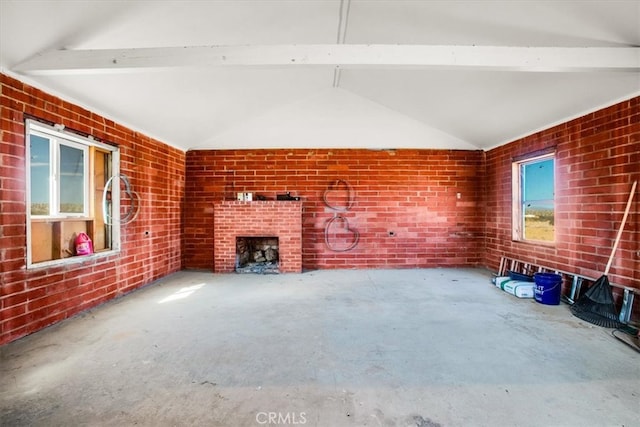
<point x="257" y="255"/>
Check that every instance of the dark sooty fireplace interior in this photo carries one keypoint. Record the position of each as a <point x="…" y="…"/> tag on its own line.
<point x="257" y="255"/>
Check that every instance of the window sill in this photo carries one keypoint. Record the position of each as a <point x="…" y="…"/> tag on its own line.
<point x="77" y="259"/>
<point x="550" y="245"/>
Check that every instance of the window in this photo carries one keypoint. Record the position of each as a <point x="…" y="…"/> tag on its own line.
<point x="533" y="195"/>
<point x="66" y="178"/>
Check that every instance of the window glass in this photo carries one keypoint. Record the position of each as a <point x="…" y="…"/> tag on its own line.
<point x="72" y="180"/>
<point x="40" y="163"/>
<point x="534" y="212"/>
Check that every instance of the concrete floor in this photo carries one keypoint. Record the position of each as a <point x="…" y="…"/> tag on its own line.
<point x="428" y="347"/>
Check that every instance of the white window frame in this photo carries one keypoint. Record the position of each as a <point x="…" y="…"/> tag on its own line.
<point x="518" y="231"/>
<point x="57" y="133"/>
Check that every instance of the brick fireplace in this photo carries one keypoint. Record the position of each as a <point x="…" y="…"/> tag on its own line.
<point x="281" y="219"/>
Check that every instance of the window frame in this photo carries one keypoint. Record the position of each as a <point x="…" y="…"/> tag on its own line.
<point x="71" y="139"/>
<point x="518" y="212"/>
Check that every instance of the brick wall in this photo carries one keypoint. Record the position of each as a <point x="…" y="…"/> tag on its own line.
<point x="259" y="218"/>
<point x="598" y="158"/>
<point x="34" y="298"/>
<point x="430" y="199"/>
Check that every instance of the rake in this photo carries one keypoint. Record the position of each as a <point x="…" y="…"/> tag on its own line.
<point x="596" y="305"/>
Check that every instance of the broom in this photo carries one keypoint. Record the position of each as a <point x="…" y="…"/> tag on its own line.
<point x="596" y="305"/>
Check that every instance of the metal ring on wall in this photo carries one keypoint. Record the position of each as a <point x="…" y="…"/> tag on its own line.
<point x="355" y="233"/>
<point x="350" y="195"/>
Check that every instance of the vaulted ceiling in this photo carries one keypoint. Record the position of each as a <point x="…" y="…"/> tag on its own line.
<point x="330" y="73"/>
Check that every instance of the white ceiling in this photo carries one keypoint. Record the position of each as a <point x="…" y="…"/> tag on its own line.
<point x="388" y="104"/>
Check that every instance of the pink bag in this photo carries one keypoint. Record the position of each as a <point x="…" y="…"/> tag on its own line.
<point x="84" y="245"/>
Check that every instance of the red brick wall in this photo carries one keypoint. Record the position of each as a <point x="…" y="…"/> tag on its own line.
<point x="412" y="193"/>
<point x="598" y="158"/>
<point x="34" y="298"/>
<point x="258" y="218"/>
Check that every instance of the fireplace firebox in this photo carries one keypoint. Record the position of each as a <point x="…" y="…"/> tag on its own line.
<point x="257" y="255"/>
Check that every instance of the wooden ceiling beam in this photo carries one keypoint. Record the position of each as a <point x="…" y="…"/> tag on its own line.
<point x="527" y="59"/>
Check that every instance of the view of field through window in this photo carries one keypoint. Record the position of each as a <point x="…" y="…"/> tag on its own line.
<point x="539" y="225"/>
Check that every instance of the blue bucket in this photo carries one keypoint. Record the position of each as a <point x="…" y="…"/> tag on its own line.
<point x="548" y="288"/>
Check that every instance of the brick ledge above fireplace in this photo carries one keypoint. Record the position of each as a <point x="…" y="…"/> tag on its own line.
<point x="282" y="219"/>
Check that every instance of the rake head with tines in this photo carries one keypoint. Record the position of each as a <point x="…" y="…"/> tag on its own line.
<point x="596" y="305"/>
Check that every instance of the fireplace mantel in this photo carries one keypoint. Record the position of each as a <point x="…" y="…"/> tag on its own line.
<point x="282" y="219"/>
